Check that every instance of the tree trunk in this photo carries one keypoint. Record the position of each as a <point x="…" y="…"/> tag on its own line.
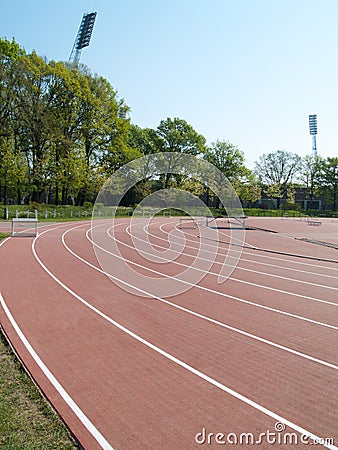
<point x="5" y="194"/>
<point x="5" y="204"/>
<point x="57" y="193"/>
<point x="19" y="196"/>
<point x="64" y="196"/>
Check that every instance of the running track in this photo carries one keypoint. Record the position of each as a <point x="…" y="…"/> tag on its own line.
<point x="129" y="371"/>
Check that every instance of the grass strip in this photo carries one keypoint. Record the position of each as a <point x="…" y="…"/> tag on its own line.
<point x="27" y="421"/>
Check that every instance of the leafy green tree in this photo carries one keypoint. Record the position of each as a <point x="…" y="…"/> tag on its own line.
<point x="274" y="191"/>
<point x="248" y="189"/>
<point x="10" y="52"/>
<point x="32" y="116"/>
<point x="70" y="126"/>
<point x="193" y="186"/>
<point x="328" y="179"/>
<point x="104" y="130"/>
<point x="177" y="136"/>
<point x="309" y="174"/>
<point x="276" y="171"/>
<point x="13" y="171"/>
<point x="65" y="92"/>
<point x="229" y="160"/>
<point x="144" y="140"/>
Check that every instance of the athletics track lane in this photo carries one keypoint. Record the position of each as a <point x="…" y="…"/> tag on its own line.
<point x="142" y="398"/>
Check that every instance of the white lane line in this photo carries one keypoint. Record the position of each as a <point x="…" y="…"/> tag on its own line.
<point x="186" y="366"/>
<point x="280" y="235"/>
<point x="200" y="316"/>
<point x="257" y="255"/>
<point x="244" y="268"/>
<point x="51" y="378"/>
<point x="222" y="294"/>
<point x="262" y="286"/>
<point x="4" y="240"/>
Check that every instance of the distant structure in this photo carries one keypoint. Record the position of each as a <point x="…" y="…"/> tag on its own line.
<point x="83" y="37"/>
<point x="313" y="132"/>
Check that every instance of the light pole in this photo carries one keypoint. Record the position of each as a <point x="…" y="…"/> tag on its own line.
<point x="83" y="37"/>
<point x="313" y="132"/>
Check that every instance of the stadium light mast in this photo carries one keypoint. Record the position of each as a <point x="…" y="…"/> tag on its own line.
<point x="313" y="132"/>
<point x="83" y="37"/>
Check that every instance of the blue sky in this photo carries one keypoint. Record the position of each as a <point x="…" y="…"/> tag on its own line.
<point x="246" y="71"/>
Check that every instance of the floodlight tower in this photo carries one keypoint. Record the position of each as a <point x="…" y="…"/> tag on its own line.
<point x="313" y="132"/>
<point x="83" y="37"/>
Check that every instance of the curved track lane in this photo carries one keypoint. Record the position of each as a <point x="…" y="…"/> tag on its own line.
<point x="128" y="371"/>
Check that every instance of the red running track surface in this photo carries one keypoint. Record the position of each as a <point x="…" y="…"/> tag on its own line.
<point x="126" y="371"/>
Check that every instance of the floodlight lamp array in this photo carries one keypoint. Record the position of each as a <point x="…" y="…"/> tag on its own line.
<point x="313" y="124"/>
<point x="85" y="31"/>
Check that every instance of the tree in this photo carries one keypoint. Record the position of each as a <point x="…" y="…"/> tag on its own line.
<point x="70" y="126"/>
<point x="309" y="174"/>
<point x="177" y="136"/>
<point x="10" y="52"/>
<point x="276" y="170"/>
<point x="32" y="116"/>
<point x="144" y="140"/>
<point x="248" y="188"/>
<point x="12" y="165"/>
<point x="229" y="160"/>
<point x="104" y="130"/>
<point x="13" y="170"/>
<point x="328" y="179"/>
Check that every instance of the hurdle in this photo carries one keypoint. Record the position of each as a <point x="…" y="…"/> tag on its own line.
<point x="240" y="219"/>
<point x="312" y="222"/>
<point x="191" y="221"/>
<point x="25" y="227"/>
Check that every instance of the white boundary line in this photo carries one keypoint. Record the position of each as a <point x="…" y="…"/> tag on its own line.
<point x="184" y="365"/>
<point x="285" y="257"/>
<point x="222" y="294"/>
<point x="5" y="240"/>
<point x="201" y="316"/>
<point x="244" y="268"/>
<point x="262" y="286"/>
<point x="51" y="378"/>
<point x="245" y="252"/>
<point x="281" y="235"/>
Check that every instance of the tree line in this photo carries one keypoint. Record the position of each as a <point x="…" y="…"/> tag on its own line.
<point x="64" y="131"/>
